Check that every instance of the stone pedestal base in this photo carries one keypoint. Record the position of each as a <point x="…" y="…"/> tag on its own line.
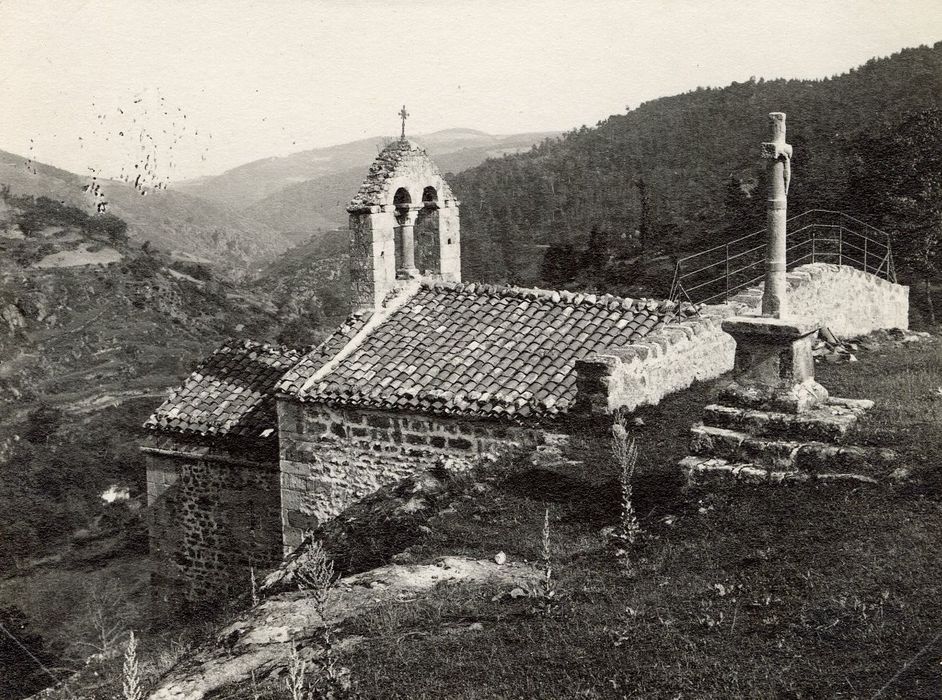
<point x="774" y="367"/>
<point x="786" y="398"/>
<point x="774" y="422"/>
<point x="764" y="445"/>
<point x="407" y="273"/>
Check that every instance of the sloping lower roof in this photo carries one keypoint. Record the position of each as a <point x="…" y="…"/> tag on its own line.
<point x="479" y="350"/>
<point x="230" y="394"/>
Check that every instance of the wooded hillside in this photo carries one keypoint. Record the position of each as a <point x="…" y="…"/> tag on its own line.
<point x="681" y="172"/>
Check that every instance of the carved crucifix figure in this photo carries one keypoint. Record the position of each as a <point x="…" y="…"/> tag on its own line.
<point x="778" y="154"/>
<point x="405" y="115"/>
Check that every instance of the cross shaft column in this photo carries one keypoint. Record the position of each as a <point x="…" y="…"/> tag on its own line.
<point x="778" y="155"/>
<point x="774" y="368"/>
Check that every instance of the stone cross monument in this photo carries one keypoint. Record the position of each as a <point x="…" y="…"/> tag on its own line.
<point x="774" y="367"/>
<point x="778" y="155"/>
<point x="773" y="421"/>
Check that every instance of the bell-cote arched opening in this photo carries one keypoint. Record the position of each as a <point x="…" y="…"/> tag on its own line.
<point x="428" y="253"/>
<point x="405" y="234"/>
<point x="404" y="224"/>
<point x="402" y="199"/>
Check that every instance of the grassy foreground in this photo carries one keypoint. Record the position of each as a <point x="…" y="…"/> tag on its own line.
<point x="788" y="591"/>
<point x="745" y="591"/>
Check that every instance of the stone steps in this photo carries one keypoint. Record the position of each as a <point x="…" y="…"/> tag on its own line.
<point x="704" y="470"/>
<point x="784" y="454"/>
<point x="830" y="422"/>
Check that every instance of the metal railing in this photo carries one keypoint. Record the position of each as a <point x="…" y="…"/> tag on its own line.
<point x="716" y="274"/>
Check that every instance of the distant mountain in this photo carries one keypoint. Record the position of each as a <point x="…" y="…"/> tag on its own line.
<point x="171" y="220"/>
<point x="308" y="191"/>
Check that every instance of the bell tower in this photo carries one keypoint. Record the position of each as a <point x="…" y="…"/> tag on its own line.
<point x="403" y="224"/>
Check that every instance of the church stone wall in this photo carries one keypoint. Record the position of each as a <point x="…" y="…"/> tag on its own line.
<point x="210" y="520"/>
<point x="330" y="457"/>
<point x="848" y="301"/>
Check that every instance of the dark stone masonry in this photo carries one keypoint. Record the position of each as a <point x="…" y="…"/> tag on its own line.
<point x="214" y="518"/>
<point x="332" y="457"/>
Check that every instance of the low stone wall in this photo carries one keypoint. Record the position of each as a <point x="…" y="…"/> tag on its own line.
<point x="848" y="301"/>
<point x="331" y="457"/>
<point x="210" y="520"/>
<point x="666" y="361"/>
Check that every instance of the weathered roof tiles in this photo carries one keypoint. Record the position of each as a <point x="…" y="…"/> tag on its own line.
<point x="311" y="362"/>
<point x="477" y="349"/>
<point x="230" y="394"/>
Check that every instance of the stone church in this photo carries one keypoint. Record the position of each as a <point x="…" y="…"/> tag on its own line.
<point x="261" y="443"/>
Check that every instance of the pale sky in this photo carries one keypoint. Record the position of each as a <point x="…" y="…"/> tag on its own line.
<point x="272" y="78"/>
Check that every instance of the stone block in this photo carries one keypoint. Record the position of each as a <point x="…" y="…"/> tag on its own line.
<point x="636" y="351"/>
<point x="302" y="521"/>
<point x="293" y="482"/>
<point x="290" y="500"/>
<point x="716" y="442"/>
<point x="675" y="334"/>
<point x="777" y="454"/>
<point x="858" y="405"/>
<point x="378" y="421"/>
<point x="723" y="416"/>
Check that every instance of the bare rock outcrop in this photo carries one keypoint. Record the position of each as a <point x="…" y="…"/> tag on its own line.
<point x="259" y="642"/>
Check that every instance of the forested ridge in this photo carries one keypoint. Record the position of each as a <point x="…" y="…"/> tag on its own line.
<point x="681" y="172"/>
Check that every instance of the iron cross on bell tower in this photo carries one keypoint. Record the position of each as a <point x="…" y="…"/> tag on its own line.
<point x="405" y="115"/>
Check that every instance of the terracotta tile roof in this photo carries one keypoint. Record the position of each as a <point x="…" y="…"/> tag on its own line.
<point x="320" y="355"/>
<point x="230" y="394"/>
<point x="480" y="350"/>
<point x="401" y="153"/>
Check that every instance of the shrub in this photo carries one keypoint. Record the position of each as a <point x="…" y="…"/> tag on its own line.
<point x="315" y="575"/>
<point x="101" y="624"/>
<point x="110" y="226"/>
<point x="131" y="672"/>
<point x="546" y="594"/>
<point x="40" y="212"/>
<point x="295" y="681"/>
<point x="626" y="457"/>
<point x="144" y="267"/>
